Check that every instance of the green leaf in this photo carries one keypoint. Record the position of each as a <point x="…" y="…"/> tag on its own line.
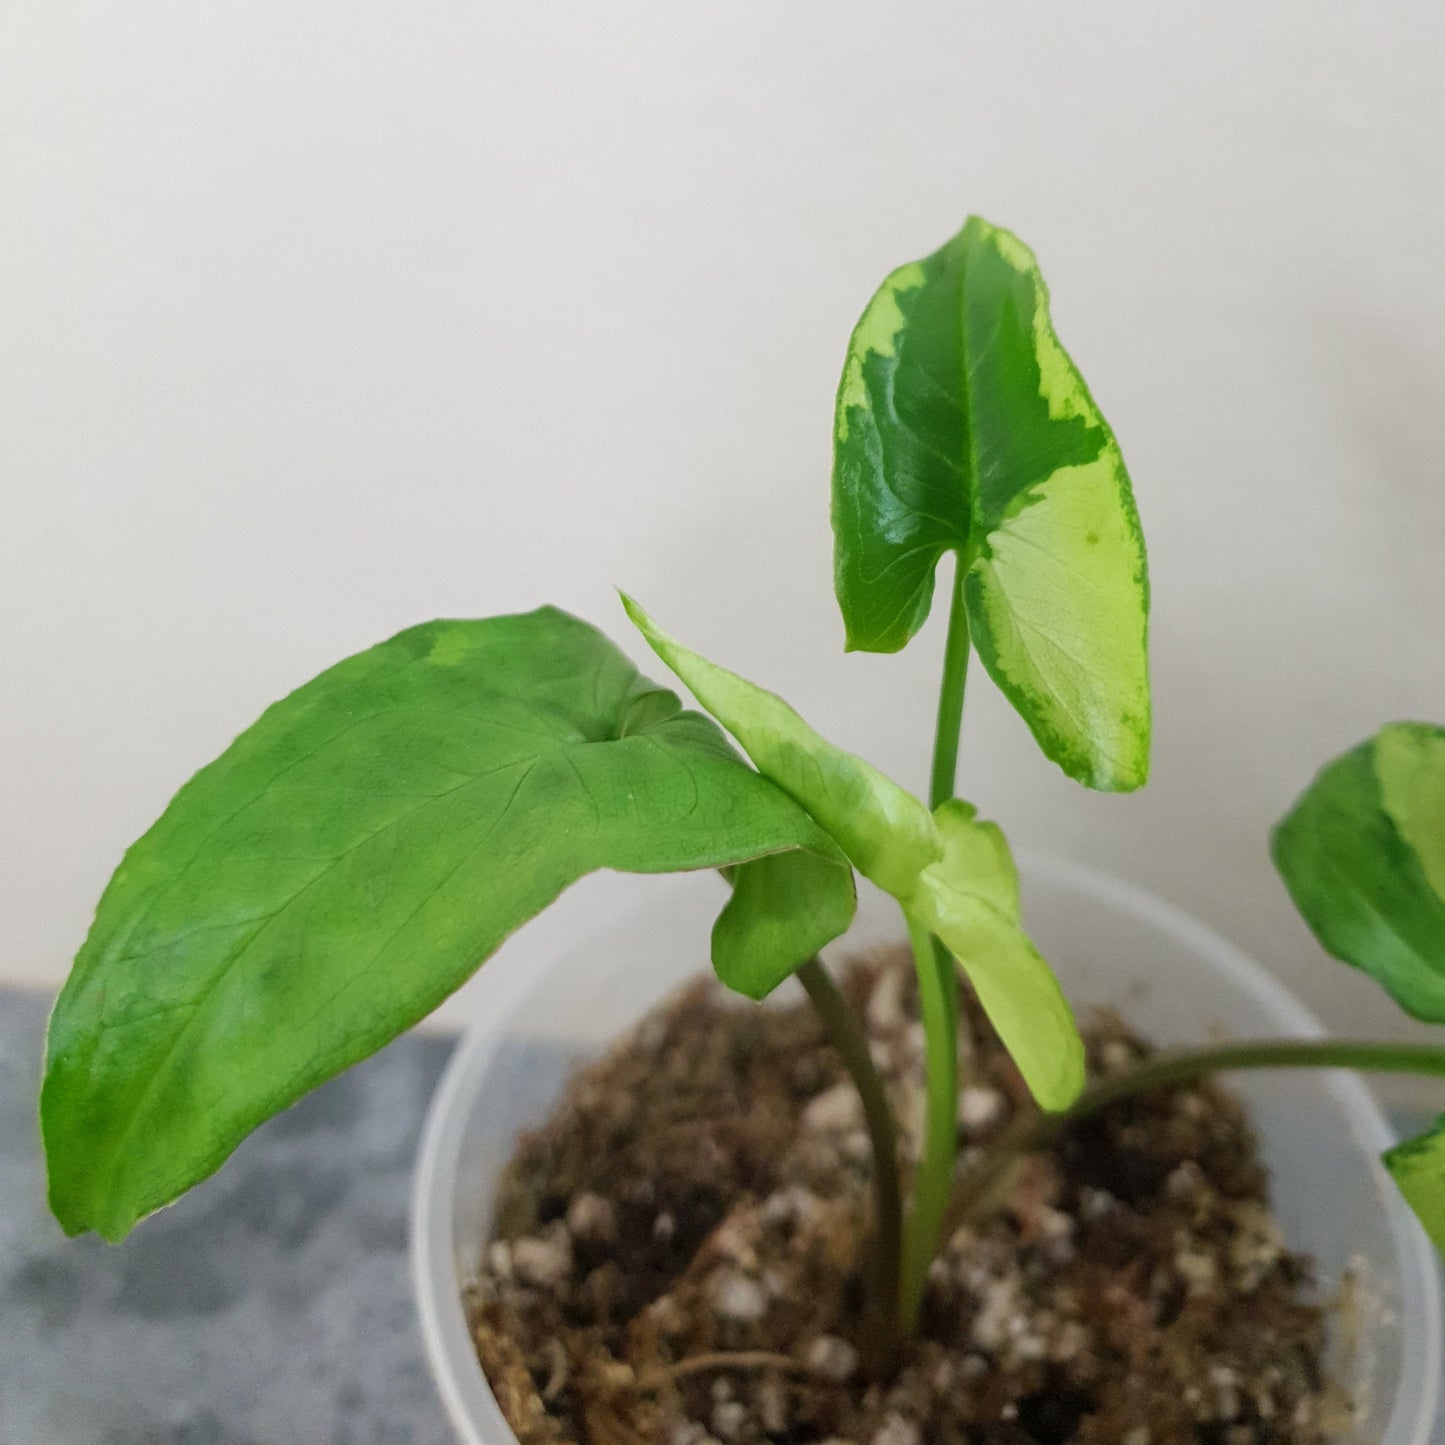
<point x="784" y="907"/>
<point x="1359" y="853"/>
<point x="949" y="870"/>
<point x="886" y="832"/>
<point x="1418" y="1169"/>
<point x="963" y="426"/>
<point x="970" y="901"/>
<point x="357" y="853"/>
<point x="1410" y="763"/>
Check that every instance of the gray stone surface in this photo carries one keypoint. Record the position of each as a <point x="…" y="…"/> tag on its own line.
<point x="272" y="1304"/>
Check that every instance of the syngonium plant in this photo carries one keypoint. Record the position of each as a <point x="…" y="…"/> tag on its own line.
<point x="359" y="851"/>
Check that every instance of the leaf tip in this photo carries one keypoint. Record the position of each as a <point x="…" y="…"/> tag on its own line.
<point x="1127" y="777"/>
<point x="76" y="1216"/>
<point x="636" y="614"/>
<point x="853" y="638"/>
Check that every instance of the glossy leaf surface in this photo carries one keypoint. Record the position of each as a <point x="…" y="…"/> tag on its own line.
<point x="1418" y="1169"/>
<point x="357" y="853"/>
<point x="1360" y="853"/>
<point x="949" y="870"/>
<point x="963" y="426"/>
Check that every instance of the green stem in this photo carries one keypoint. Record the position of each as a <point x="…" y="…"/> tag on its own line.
<point x="950" y="697"/>
<point x="848" y="1037"/>
<point x="1032" y="1132"/>
<point x="938" y="1008"/>
<point x="941" y="782"/>
<point x="937" y="996"/>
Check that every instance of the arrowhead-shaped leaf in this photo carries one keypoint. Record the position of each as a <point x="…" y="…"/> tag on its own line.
<point x="357" y="853"/>
<point x="962" y="425"/>
<point x="1363" y="855"/>
<point x="1418" y="1169"/>
<point x="970" y="901"/>
<point x="949" y="870"/>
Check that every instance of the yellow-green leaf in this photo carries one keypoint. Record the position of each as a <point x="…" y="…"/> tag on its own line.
<point x="1418" y="1168"/>
<point x="886" y="832"/>
<point x="969" y="900"/>
<point x="976" y="858"/>
<point x="949" y="870"/>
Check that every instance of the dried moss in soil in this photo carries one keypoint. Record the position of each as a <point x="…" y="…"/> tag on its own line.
<point x="677" y="1255"/>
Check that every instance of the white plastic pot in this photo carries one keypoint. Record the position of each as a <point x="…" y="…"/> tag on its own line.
<point x="1110" y="943"/>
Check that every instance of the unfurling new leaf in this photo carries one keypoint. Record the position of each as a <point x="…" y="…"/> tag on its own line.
<point x="963" y="426"/>
<point x="969" y="900"/>
<point x="358" y="852"/>
<point x="885" y="831"/>
<point x="948" y="870"/>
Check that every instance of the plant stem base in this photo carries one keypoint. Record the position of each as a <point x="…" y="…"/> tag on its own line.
<point x="678" y="1255"/>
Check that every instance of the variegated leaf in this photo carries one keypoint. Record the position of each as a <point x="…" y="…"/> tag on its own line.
<point x="963" y="426"/>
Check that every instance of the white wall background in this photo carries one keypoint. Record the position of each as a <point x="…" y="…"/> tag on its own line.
<point x="320" y="319"/>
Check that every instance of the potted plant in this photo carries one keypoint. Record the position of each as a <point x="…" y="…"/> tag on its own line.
<point x="358" y="852"/>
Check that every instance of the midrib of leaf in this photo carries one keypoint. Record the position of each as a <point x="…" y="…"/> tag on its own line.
<point x="328" y="864"/>
<point x="263" y="788"/>
<point x="976" y="536"/>
<point x="219" y="978"/>
<point x="441" y="883"/>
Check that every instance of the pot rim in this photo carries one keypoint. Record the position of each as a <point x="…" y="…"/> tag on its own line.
<point x="468" y="1398"/>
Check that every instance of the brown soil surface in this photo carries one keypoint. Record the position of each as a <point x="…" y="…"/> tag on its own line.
<point x="677" y="1256"/>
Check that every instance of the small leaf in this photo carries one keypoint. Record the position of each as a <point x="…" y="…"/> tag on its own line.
<point x="357" y="853"/>
<point x="784" y="908"/>
<point x="970" y="901"/>
<point x="886" y="832"/>
<point x="1359" y="852"/>
<point x="1418" y="1169"/>
<point x="962" y="425"/>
